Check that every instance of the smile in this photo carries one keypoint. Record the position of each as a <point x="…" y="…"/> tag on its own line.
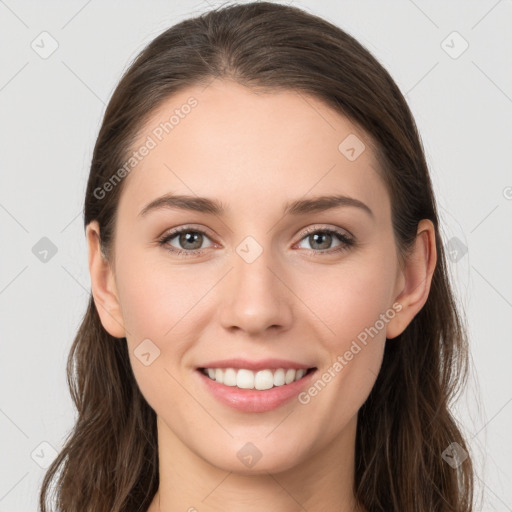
<point x="261" y="389"/>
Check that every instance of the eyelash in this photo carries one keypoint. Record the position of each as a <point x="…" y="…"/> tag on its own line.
<point x="346" y="241"/>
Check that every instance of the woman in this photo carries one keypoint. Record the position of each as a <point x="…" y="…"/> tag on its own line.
<point x="301" y="353"/>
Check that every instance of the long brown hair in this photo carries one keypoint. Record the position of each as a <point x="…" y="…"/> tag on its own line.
<point x="109" y="461"/>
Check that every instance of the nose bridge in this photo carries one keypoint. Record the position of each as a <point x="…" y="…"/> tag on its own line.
<point x="255" y="298"/>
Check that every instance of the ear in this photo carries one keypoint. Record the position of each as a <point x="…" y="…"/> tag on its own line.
<point x="103" y="284"/>
<point x="413" y="282"/>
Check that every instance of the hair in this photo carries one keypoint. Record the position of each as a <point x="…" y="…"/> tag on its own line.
<point x="110" y="458"/>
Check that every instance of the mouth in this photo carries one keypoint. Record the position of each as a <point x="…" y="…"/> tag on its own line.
<point x="265" y="387"/>
<point x="261" y="380"/>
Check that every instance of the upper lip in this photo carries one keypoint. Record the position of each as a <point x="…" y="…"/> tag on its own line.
<point x="262" y="364"/>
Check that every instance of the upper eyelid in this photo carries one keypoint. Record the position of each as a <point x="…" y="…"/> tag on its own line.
<point x="187" y="227"/>
<point x="315" y="228"/>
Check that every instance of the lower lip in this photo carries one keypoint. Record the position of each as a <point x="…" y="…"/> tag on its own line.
<point x="251" y="400"/>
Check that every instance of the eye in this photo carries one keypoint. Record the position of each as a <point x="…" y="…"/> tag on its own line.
<point x="189" y="241"/>
<point x="320" y="240"/>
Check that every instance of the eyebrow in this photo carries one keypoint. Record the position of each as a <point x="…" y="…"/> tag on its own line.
<point x="215" y="207"/>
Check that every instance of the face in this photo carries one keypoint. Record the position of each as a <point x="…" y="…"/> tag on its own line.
<point x="254" y="286"/>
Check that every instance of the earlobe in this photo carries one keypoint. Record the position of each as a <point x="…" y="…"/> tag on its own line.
<point x="416" y="278"/>
<point x="103" y="286"/>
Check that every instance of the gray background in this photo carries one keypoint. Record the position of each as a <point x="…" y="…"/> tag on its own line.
<point x="50" y="112"/>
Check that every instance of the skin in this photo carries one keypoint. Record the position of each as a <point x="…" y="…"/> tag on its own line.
<point x="254" y="152"/>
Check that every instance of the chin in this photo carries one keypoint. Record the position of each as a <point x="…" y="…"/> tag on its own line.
<point x="248" y="459"/>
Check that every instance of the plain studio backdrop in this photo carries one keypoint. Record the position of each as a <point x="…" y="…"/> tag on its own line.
<point x="59" y="65"/>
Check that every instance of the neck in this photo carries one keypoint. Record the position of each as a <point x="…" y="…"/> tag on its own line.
<point x="322" y="481"/>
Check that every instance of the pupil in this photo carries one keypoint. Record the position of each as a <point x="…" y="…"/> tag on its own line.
<point x="317" y="235"/>
<point x="189" y="238"/>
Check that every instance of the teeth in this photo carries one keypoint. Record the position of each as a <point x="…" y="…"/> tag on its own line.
<point x="264" y="380"/>
<point x="229" y="378"/>
<point x="260" y="380"/>
<point x="244" y="379"/>
<point x="279" y="377"/>
<point x="290" y="376"/>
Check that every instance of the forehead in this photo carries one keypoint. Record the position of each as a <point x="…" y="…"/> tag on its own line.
<point x="244" y="147"/>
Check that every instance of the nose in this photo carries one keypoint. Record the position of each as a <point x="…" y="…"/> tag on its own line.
<point x="255" y="298"/>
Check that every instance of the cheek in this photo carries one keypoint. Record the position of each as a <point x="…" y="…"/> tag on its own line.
<point x="164" y="304"/>
<point x="155" y="296"/>
<point x="155" y="302"/>
<point x="355" y="352"/>
<point x="357" y="342"/>
<point x="356" y="309"/>
<point x="351" y="301"/>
